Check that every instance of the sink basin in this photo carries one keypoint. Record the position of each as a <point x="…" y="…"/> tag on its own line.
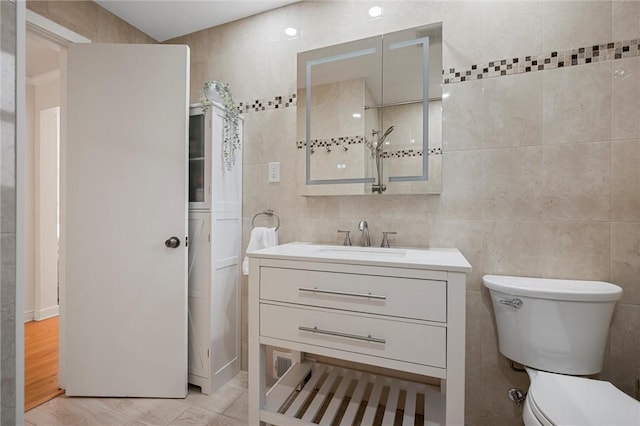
<point x="430" y="258"/>
<point x="365" y="252"/>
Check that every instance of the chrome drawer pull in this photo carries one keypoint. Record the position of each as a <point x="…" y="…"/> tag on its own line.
<point x="339" y="334"/>
<point x="343" y="293"/>
<point x="514" y="303"/>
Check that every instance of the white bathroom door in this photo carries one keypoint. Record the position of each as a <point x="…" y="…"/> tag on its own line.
<point x="125" y="180"/>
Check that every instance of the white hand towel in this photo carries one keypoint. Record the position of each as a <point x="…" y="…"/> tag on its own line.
<point x="261" y="237"/>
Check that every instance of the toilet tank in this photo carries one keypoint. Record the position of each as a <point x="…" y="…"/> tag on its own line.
<point x="553" y="325"/>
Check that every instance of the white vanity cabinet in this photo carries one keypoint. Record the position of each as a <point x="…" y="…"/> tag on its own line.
<point x="393" y="308"/>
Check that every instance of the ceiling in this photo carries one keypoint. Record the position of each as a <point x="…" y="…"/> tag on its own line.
<point x="167" y="19"/>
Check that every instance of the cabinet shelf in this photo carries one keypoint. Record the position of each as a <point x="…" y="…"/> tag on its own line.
<point x="313" y="393"/>
<point x="196" y="159"/>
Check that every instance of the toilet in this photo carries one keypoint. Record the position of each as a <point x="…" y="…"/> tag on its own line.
<point x="558" y="330"/>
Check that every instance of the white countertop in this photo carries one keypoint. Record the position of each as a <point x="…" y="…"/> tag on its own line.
<point x="438" y="259"/>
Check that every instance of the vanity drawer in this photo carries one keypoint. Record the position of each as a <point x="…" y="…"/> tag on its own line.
<point x="384" y="338"/>
<point x="384" y="295"/>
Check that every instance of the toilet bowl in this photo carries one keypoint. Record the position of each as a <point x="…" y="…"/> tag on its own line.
<point x="557" y="329"/>
<point x="555" y="399"/>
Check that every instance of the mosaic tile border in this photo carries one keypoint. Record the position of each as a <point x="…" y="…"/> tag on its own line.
<point x="544" y="61"/>
<point x="277" y="102"/>
<point x="402" y="153"/>
<point x="341" y="140"/>
<point x="510" y="66"/>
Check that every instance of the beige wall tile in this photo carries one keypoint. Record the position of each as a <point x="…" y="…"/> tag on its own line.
<point x="469" y="238"/>
<point x="625" y="180"/>
<point x="40" y="7"/>
<point x="577" y="104"/>
<point x="626" y="99"/>
<point x="392" y="207"/>
<point x="463" y="116"/>
<point x="573" y="24"/>
<point x="282" y="196"/>
<point x="622" y="362"/>
<point x="576" y="181"/>
<point x="401" y="15"/>
<point x="462" y="185"/>
<point x="112" y="29"/>
<point x="626" y="15"/>
<point x="254" y="188"/>
<point x="625" y="260"/>
<point x="513" y="184"/>
<point x="511" y="28"/>
<point x="199" y="73"/>
<point x="513" y="110"/>
<point x="577" y="250"/>
<point x="462" y="34"/>
<point x="515" y="248"/>
<point x="255" y="134"/>
<point x="84" y="14"/>
<point x="474" y="404"/>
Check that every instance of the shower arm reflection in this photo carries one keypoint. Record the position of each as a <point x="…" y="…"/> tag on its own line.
<point x="377" y="149"/>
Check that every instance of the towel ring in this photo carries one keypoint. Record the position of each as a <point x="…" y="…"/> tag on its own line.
<point x="269" y="213"/>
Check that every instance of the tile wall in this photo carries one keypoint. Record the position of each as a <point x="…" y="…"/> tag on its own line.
<point x="541" y="172"/>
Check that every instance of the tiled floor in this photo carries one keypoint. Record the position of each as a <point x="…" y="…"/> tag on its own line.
<point x="227" y="407"/>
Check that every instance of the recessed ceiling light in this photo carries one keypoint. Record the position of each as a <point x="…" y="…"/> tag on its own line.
<point x="290" y="31"/>
<point x="375" y="11"/>
<point x="356" y="115"/>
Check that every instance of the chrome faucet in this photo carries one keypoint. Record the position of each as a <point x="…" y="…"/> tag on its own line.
<point x="364" y="237"/>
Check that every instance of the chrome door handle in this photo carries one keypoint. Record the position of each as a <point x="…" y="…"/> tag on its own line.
<point x="514" y="303"/>
<point x="173" y="242"/>
<point x="340" y="334"/>
<point x="342" y="293"/>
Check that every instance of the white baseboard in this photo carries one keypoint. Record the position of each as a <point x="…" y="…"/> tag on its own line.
<point x="43" y="314"/>
<point x="29" y="315"/>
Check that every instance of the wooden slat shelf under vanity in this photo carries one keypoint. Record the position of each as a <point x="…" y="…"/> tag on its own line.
<point x="314" y="393"/>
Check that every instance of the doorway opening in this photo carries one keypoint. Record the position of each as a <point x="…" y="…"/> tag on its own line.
<point x="42" y="187"/>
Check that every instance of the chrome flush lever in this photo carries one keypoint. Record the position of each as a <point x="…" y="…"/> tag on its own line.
<point x="514" y="303"/>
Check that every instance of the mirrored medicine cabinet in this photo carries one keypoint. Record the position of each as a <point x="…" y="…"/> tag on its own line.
<point x="369" y="115"/>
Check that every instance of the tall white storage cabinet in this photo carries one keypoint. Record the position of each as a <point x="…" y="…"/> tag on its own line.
<point x="215" y="252"/>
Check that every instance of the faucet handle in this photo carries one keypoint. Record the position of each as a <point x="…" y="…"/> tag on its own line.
<point x="347" y="238"/>
<point x="385" y="240"/>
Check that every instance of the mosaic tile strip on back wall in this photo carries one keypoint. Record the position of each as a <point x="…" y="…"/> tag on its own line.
<point x="544" y="61"/>
<point x="498" y="68"/>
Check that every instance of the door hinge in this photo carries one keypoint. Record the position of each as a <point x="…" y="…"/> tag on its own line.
<point x="209" y="237"/>
<point x="186" y="241"/>
<point x="208" y="355"/>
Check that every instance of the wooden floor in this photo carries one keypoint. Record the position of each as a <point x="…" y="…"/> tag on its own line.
<point x="40" y="362"/>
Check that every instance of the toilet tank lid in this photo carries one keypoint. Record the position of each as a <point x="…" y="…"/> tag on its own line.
<point x="547" y="288"/>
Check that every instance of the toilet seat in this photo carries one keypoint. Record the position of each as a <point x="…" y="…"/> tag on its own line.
<point x="560" y="400"/>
